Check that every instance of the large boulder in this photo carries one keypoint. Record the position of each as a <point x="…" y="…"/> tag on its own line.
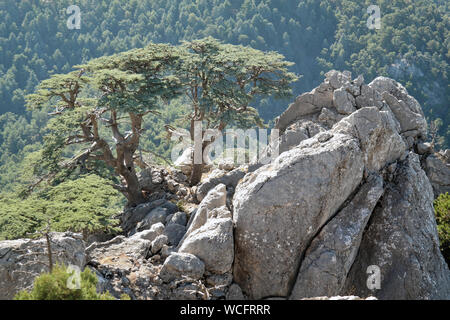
<point x="377" y="133"/>
<point x="281" y="206"/>
<point x="332" y="252"/>
<point x="405" y="107"/>
<point x="215" y="198"/>
<point x="437" y="167"/>
<point x="178" y="265"/>
<point x="210" y="235"/>
<point x="229" y="179"/>
<point x="119" y="251"/>
<point x="402" y="241"/>
<point x="22" y="260"/>
<point x="131" y="217"/>
<point x="213" y="244"/>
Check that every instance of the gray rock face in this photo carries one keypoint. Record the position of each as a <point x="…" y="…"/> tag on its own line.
<point x="406" y="109"/>
<point x="343" y="101"/>
<point x="281" y="206"/>
<point x="402" y="241"/>
<point x="332" y="252"/>
<point x="182" y="264"/>
<point x="132" y="217"/>
<point x="297" y="132"/>
<point x="306" y="104"/>
<point x="376" y="131"/>
<point x="343" y="97"/>
<point x="213" y="244"/>
<point x="229" y="179"/>
<point x="150" y="234"/>
<point x="22" y="260"/>
<point x="437" y="168"/>
<point x="158" y="214"/>
<point x="151" y="179"/>
<point x="215" y="198"/>
<point x="133" y="248"/>
<point x="178" y="218"/>
<point x="210" y="234"/>
<point x="159" y="242"/>
<point x="174" y="233"/>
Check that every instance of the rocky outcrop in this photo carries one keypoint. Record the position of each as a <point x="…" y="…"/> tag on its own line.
<point x="346" y="195"/>
<point x="280" y="207"/>
<point x="145" y="215"/>
<point x="339" y="96"/>
<point x="437" y="167"/>
<point x="210" y="236"/>
<point x="22" y="260"/>
<point x="178" y="265"/>
<point x="402" y="241"/>
<point x="328" y="259"/>
<point x="313" y="207"/>
<point x="130" y="249"/>
<point x="229" y="179"/>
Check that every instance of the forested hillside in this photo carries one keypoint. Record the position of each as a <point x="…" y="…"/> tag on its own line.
<point x="412" y="46"/>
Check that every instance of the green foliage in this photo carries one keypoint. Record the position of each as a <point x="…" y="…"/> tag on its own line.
<point x="106" y="97"/>
<point x="87" y="205"/>
<point x="53" y="286"/>
<point x="222" y="80"/>
<point x="315" y="35"/>
<point x="412" y="46"/>
<point x="442" y="209"/>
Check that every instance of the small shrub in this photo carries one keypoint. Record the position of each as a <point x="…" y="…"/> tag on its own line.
<point x="442" y="209"/>
<point x="53" y="286"/>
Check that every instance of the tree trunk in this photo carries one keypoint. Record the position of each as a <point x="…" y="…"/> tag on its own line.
<point x="196" y="174"/>
<point x="127" y="170"/>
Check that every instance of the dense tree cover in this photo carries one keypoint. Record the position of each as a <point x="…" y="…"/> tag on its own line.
<point x="412" y="46"/>
<point x="86" y="205"/>
<point x="114" y="91"/>
<point x="109" y="97"/>
<point x="53" y="286"/>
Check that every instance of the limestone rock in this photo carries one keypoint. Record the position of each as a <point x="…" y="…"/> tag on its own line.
<point x="229" y="179"/>
<point x="174" y="233"/>
<point x="332" y="252"/>
<point x="279" y="207"/>
<point x="182" y="264"/>
<point x="150" y="234"/>
<point x="402" y="241"/>
<point x="22" y="260"/>
<point x="405" y="107"/>
<point x="213" y="244"/>
<point x="158" y="214"/>
<point x="215" y="198"/>
<point x="179" y="217"/>
<point x="438" y="171"/>
<point x="380" y="142"/>
<point x="343" y="101"/>
<point x="159" y="242"/>
<point x="128" y="248"/>
<point x="131" y="217"/>
<point x="337" y="79"/>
